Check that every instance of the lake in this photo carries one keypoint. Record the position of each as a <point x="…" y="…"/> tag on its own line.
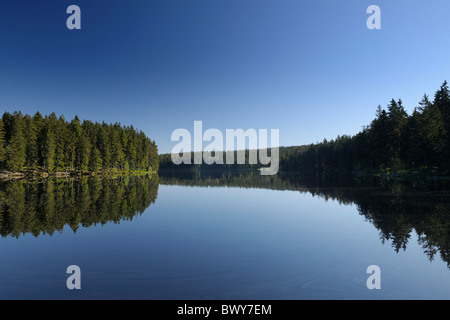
<point x="224" y="236"/>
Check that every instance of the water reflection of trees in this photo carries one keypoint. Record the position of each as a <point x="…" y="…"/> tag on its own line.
<point x="43" y="207"/>
<point x="396" y="209"/>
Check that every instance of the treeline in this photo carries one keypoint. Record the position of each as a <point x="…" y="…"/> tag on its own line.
<point x="54" y="144"/>
<point x="393" y="141"/>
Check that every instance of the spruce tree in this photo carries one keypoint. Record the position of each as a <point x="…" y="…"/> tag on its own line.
<point x="442" y="102"/>
<point x="2" y="142"/>
<point x="39" y="125"/>
<point x="32" y="151"/>
<point x="95" y="163"/>
<point x="49" y="150"/>
<point x="397" y="120"/>
<point x="16" y="148"/>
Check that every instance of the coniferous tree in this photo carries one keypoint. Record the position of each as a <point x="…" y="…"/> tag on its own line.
<point x="103" y="145"/>
<point x="2" y="142"/>
<point x="432" y="133"/>
<point x="95" y="162"/>
<point x="84" y="150"/>
<point x="16" y="146"/>
<point x="397" y="120"/>
<point x="378" y="139"/>
<point x="32" y="151"/>
<point x="61" y="135"/>
<point x="117" y="155"/>
<point x="153" y="157"/>
<point x="442" y="102"/>
<point x="39" y="124"/>
<point x="131" y="150"/>
<point x="49" y="150"/>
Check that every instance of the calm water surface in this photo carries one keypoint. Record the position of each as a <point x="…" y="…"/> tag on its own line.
<point x="221" y="238"/>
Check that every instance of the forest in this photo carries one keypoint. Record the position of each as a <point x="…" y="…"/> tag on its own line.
<point x="393" y="142"/>
<point x="52" y="144"/>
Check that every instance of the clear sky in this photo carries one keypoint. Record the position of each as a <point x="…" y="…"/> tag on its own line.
<point x="311" y="69"/>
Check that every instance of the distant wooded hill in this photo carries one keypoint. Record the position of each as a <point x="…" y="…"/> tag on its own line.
<point x="54" y="144"/>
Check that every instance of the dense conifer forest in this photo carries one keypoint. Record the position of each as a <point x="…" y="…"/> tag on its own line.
<point x="393" y="142"/>
<point x="51" y="144"/>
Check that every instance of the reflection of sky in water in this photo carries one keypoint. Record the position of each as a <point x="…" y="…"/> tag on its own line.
<point x="223" y="243"/>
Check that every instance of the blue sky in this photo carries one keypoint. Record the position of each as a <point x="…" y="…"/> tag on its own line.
<point x="311" y="69"/>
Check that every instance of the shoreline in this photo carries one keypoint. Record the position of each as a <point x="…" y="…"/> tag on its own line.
<point x="6" y="175"/>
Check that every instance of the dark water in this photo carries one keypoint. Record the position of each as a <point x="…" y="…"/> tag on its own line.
<point x="224" y="236"/>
